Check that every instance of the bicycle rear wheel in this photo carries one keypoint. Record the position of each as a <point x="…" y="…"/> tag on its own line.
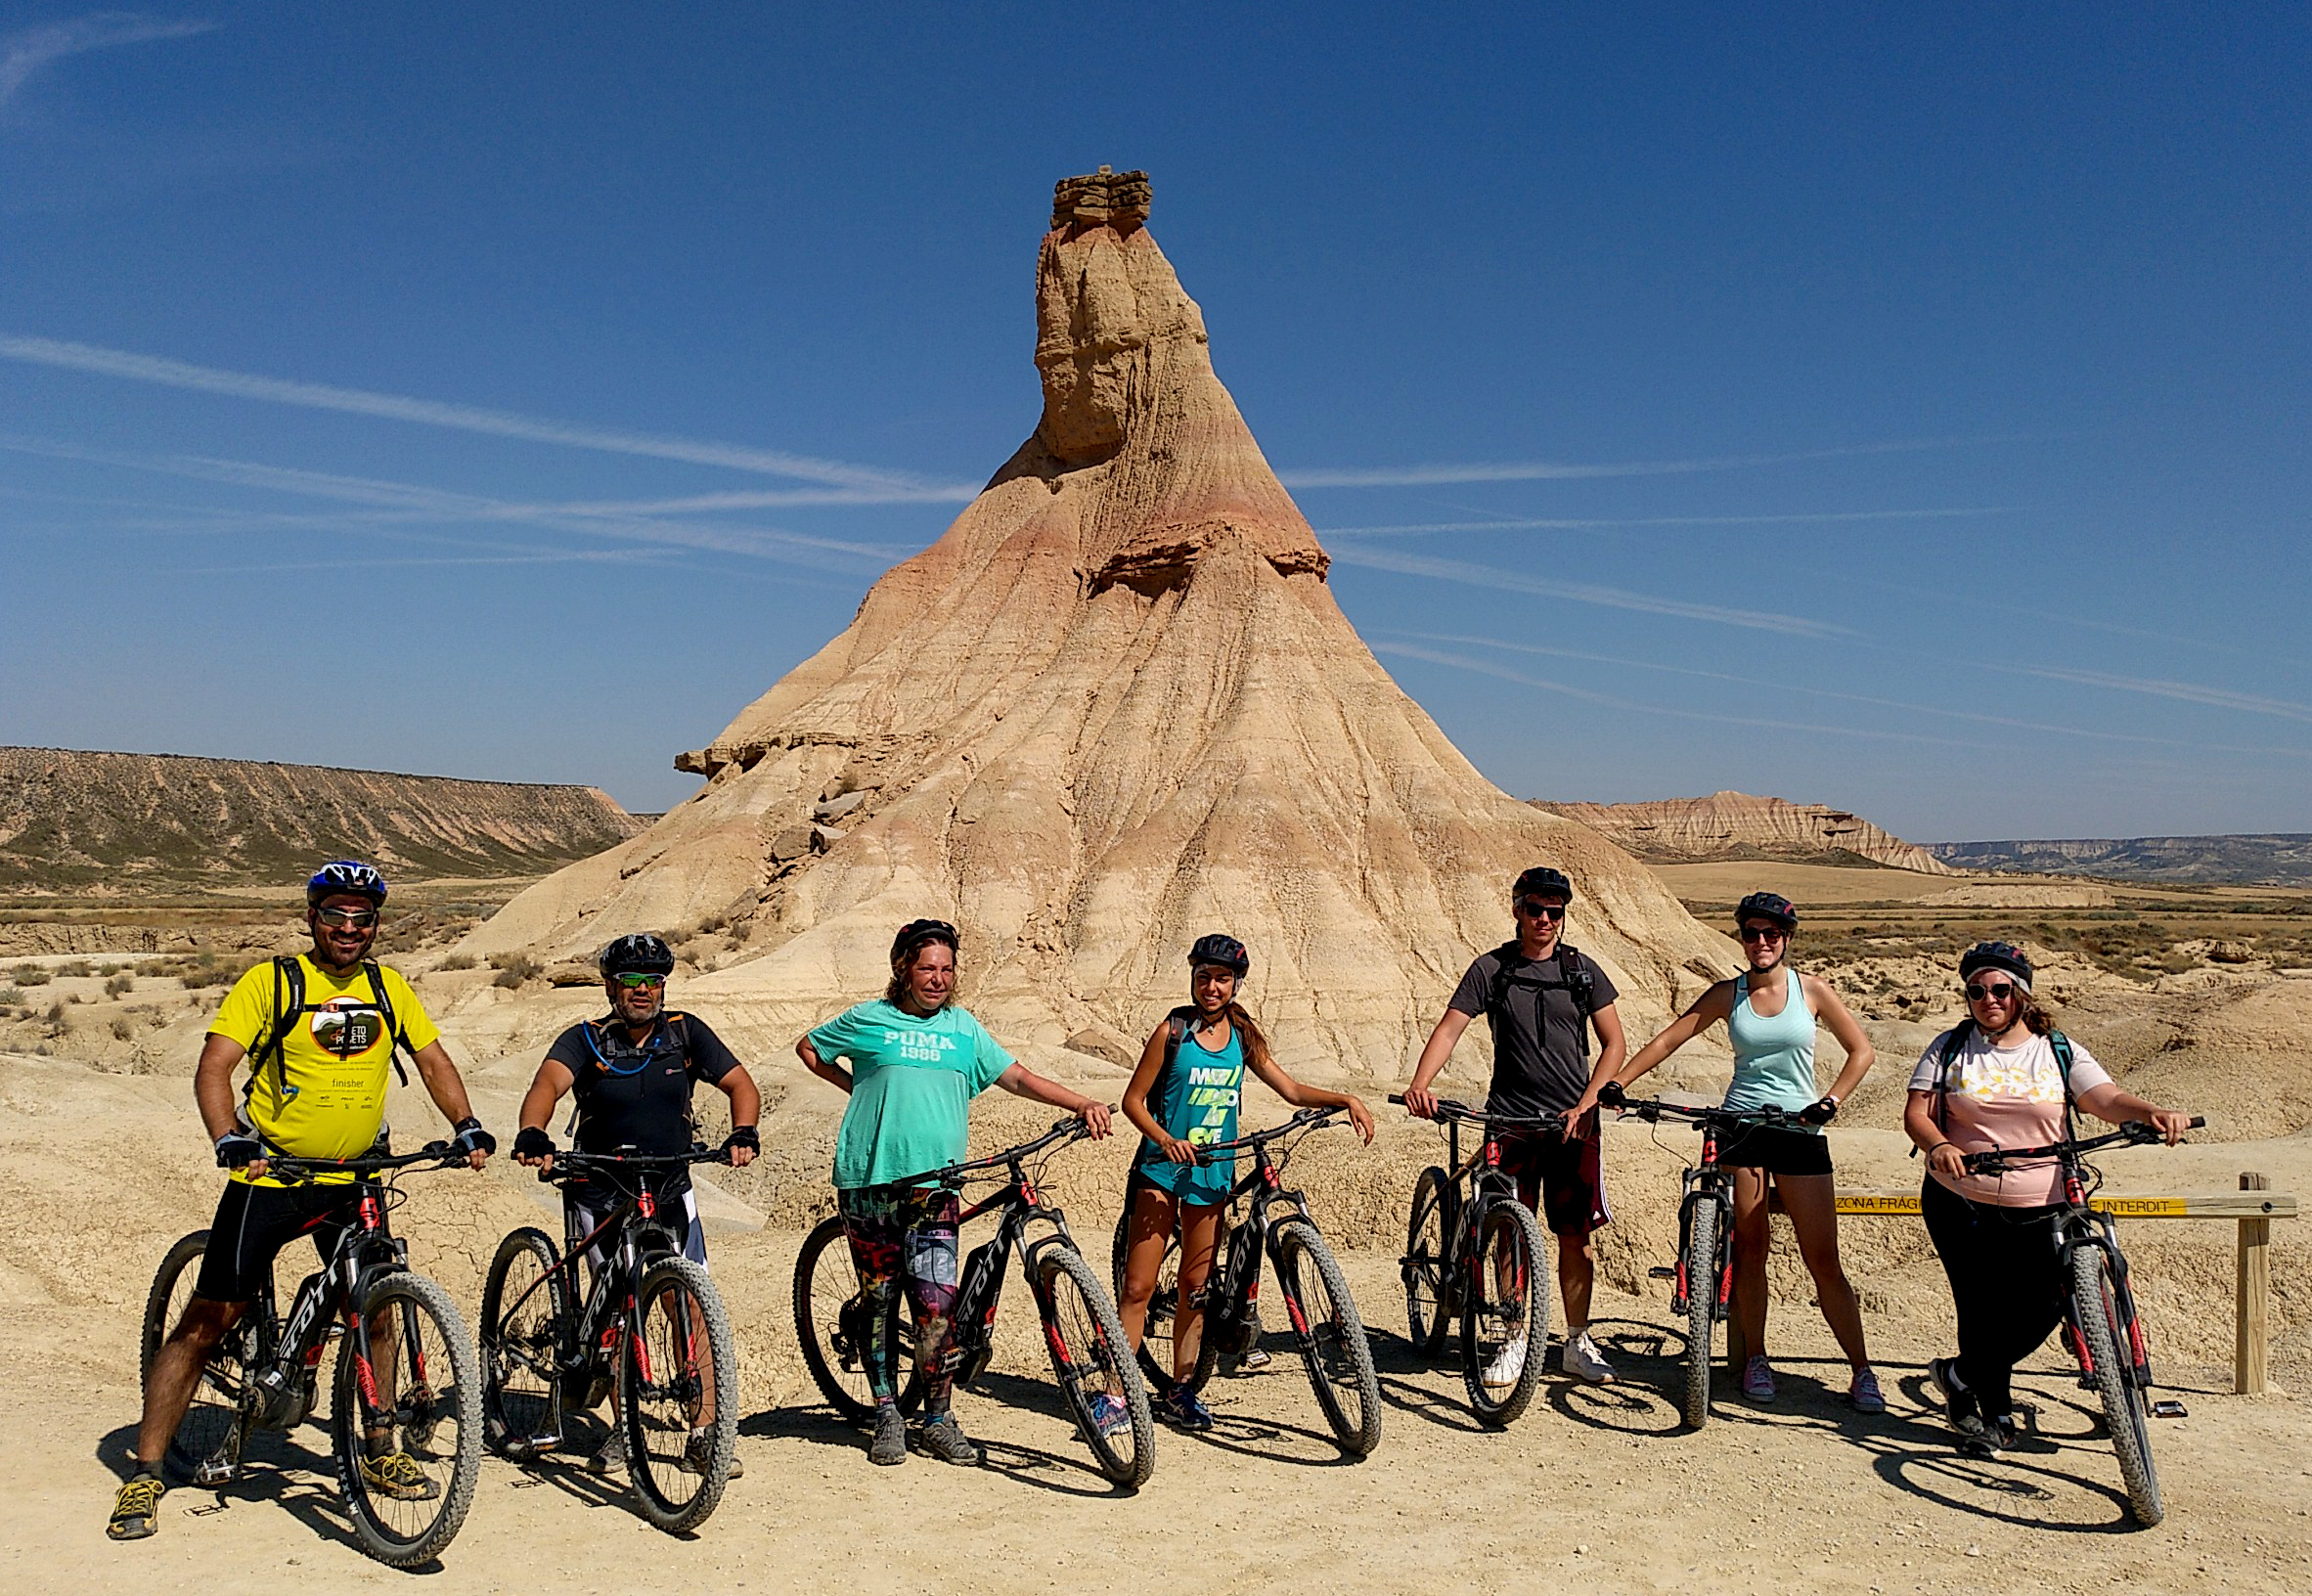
<point x="526" y="1303"/>
<point x="407" y="1420"/>
<point x="677" y="1392"/>
<point x="2095" y="1315"/>
<point x="1331" y="1335"/>
<point x="1505" y="1312"/>
<point x="1102" y="1386"/>
<point x="1701" y="1267"/>
<point x="1427" y="1263"/>
<point x="206" y="1447"/>
<point x="830" y="1324"/>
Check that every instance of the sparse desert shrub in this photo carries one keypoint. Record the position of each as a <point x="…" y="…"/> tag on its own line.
<point x="32" y="975"/>
<point x="76" y="966"/>
<point x="56" y="1016"/>
<point x="458" y="961"/>
<point x="513" y="968"/>
<point x="10" y="996"/>
<point x="117" y="984"/>
<point x="122" y="1030"/>
<point x="2176" y="961"/>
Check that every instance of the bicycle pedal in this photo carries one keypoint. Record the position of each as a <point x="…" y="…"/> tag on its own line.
<point x="2170" y="1408"/>
<point x="1662" y="1272"/>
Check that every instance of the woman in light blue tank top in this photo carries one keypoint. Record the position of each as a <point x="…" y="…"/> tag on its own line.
<point x="1770" y="1012"/>
<point x="1185" y="1096"/>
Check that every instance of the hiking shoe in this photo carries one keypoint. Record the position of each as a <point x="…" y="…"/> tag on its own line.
<point x="1584" y="1361"/>
<point x="944" y="1439"/>
<point x="1958" y="1402"/>
<point x="1863" y="1391"/>
<point x="1111" y="1415"/>
<point x="699" y="1453"/>
<point x="1507" y="1363"/>
<point x="1998" y="1432"/>
<point x="890" y="1445"/>
<point x="397" y="1474"/>
<point x="1182" y="1409"/>
<point x="1252" y="1362"/>
<point x="1757" y="1379"/>
<point x="610" y="1455"/>
<point x="136" y="1508"/>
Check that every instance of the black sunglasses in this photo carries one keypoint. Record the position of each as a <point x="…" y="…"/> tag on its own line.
<point x="1762" y="932"/>
<point x="1541" y="910"/>
<point x="2002" y="992"/>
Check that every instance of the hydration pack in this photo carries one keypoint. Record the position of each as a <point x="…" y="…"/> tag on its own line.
<point x="624" y="1058"/>
<point x="1511" y="968"/>
<point x="289" y="1006"/>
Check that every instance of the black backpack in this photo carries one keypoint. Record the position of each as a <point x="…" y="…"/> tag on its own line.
<point x="1573" y="975"/>
<point x="1956" y="1042"/>
<point x="289" y="1006"/>
<point x="670" y="1030"/>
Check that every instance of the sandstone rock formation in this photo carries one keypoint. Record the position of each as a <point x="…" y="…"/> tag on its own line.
<point x="100" y="824"/>
<point x="1737" y="825"/>
<point x="1113" y="707"/>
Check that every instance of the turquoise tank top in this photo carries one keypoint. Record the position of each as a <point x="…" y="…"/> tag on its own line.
<point x="1773" y="1058"/>
<point x="1195" y="1099"/>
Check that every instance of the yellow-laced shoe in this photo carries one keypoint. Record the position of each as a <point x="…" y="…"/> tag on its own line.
<point x="136" y="1510"/>
<point x="397" y="1474"/>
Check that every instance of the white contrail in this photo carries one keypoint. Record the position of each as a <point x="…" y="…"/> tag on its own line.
<point x="1424" y="476"/>
<point x="25" y="51"/>
<point x="1568" y="523"/>
<point x="82" y="357"/>
<point x="2189" y="693"/>
<point x="1495" y="579"/>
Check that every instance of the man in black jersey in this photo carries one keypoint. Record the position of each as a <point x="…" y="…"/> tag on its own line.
<point x="631" y="1072"/>
<point x="1543" y="998"/>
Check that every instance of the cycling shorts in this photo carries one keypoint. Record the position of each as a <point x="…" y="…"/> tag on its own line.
<point x="1563" y="1180"/>
<point x="254" y="1222"/>
<point x="679" y="1213"/>
<point x="1776" y="1149"/>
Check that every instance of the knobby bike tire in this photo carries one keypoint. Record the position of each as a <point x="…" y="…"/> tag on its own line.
<point x="825" y="1282"/>
<point x="663" y="1380"/>
<point x="436" y="1420"/>
<point x="1157" y="1335"/>
<point x="1507" y="1224"/>
<point x="2094" y="1309"/>
<point x="1331" y="1335"/>
<point x="1428" y="1266"/>
<point x="213" y="1426"/>
<point x="522" y="1379"/>
<point x="1700" y="1265"/>
<point x="1085" y="1338"/>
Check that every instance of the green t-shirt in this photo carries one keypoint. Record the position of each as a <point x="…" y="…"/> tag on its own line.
<point x="913" y="1077"/>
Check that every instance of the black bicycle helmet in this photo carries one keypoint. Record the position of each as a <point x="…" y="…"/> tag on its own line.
<point x="1541" y="881"/>
<point x="1996" y="955"/>
<point x="1218" y="948"/>
<point x="637" y="954"/>
<point x="1767" y="905"/>
<point x="915" y="933"/>
<point x="341" y="876"/>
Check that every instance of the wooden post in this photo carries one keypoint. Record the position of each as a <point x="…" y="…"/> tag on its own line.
<point x="2255" y="1287"/>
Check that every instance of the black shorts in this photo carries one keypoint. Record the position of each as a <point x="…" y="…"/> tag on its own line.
<point x="1561" y="1179"/>
<point x="585" y="1208"/>
<point x="253" y="1223"/>
<point x="1775" y="1149"/>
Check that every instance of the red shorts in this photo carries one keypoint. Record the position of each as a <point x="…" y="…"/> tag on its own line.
<point x="1563" y="1180"/>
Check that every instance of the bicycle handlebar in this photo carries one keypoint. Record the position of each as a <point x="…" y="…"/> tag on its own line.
<point x="2138" y="1133"/>
<point x="1070" y="1129"/>
<point x="1447" y="1109"/>
<point x="292" y="1171"/>
<point x="574" y="1163"/>
<point x="1654" y="1109"/>
<point x="1308" y="1118"/>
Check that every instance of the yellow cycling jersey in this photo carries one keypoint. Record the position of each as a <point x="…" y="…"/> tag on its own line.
<point x="326" y="1095"/>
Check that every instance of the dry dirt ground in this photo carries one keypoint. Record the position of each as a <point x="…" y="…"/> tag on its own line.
<point x="1593" y="1486"/>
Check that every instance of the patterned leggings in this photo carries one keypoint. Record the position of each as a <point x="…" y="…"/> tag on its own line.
<point x="910" y="1232"/>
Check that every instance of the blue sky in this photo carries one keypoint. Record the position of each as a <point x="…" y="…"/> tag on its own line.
<point x="1903" y="409"/>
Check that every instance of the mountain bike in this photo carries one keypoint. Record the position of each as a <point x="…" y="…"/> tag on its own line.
<point x="653" y="1326"/>
<point x="2101" y="1325"/>
<point x="405" y="1383"/>
<point x="1701" y="1279"/>
<point x="1082" y="1334"/>
<point x="1317" y="1300"/>
<point x="1474" y="1252"/>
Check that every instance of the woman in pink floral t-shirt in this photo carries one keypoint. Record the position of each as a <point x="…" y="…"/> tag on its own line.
<point x="2002" y="1085"/>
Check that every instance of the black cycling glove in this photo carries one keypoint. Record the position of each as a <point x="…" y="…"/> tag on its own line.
<point x="237" y="1147"/>
<point x="1611" y="1095"/>
<point x="743" y="1135"/>
<point x="1821" y="1113"/>
<point x="471" y="1137"/>
<point x="533" y="1142"/>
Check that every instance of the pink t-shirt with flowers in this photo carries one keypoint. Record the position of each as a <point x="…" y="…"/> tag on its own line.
<point x="2007" y="1097"/>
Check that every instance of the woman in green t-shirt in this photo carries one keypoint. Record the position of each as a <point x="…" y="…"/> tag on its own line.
<point x="916" y="1062"/>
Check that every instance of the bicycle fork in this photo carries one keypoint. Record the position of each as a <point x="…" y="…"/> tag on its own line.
<point x="1721" y="1263"/>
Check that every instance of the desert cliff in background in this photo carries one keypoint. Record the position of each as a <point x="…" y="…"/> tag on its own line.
<point x="1115" y="705"/>
<point x="1737" y="825"/>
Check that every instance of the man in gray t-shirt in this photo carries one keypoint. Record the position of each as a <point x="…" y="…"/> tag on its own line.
<point x="1543" y="998"/>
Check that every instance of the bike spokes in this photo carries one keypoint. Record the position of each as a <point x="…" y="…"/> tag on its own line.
<point x="407" y="1416"/>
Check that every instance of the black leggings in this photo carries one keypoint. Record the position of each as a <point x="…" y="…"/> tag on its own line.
<point x="2006" y="1282"/>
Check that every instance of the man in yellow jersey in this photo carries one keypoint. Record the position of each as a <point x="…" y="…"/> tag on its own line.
<point x="320" y="1031"/>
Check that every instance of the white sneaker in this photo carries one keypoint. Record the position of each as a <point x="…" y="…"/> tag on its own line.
<point x="1508" y="1363"/>
<point x="1584" y="1361"/>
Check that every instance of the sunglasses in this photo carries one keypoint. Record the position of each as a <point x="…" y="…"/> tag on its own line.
<point x="1999" y="993"/>
<point x="1541" y="910"/>
<point x="640" y="983"/>
<point x="350" y="920"/>
<point x="1762" y="932"/>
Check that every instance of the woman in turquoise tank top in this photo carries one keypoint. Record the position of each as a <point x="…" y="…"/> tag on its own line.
<point x="1770" y="1011"/>
<point x="1183" y="1096"/>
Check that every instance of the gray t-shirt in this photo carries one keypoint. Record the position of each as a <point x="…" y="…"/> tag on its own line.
<point x="1540" y="1032"/>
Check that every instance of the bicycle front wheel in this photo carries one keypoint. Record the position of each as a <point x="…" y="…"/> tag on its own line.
<point x="2094" y="1314"/>
<point x="1428" y="1265"/>
<point x="1331" y="1335"/>
<point x="525" y="1305"/>
<point x="1101" y="1384"/>
<point x="206" y="1447"/>
<point x="407" y="1415"/>
<point x="677" y="1391"/>
<point x="1701" y="1267"/>
<point x="831" y="1324"/>
<point x="1505" y="1312"/>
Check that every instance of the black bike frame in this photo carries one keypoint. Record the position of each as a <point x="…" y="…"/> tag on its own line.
<point x="1235" y="1286"/>
<point x="979" y="1289"/>
<point x="1484" y="1179"/>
